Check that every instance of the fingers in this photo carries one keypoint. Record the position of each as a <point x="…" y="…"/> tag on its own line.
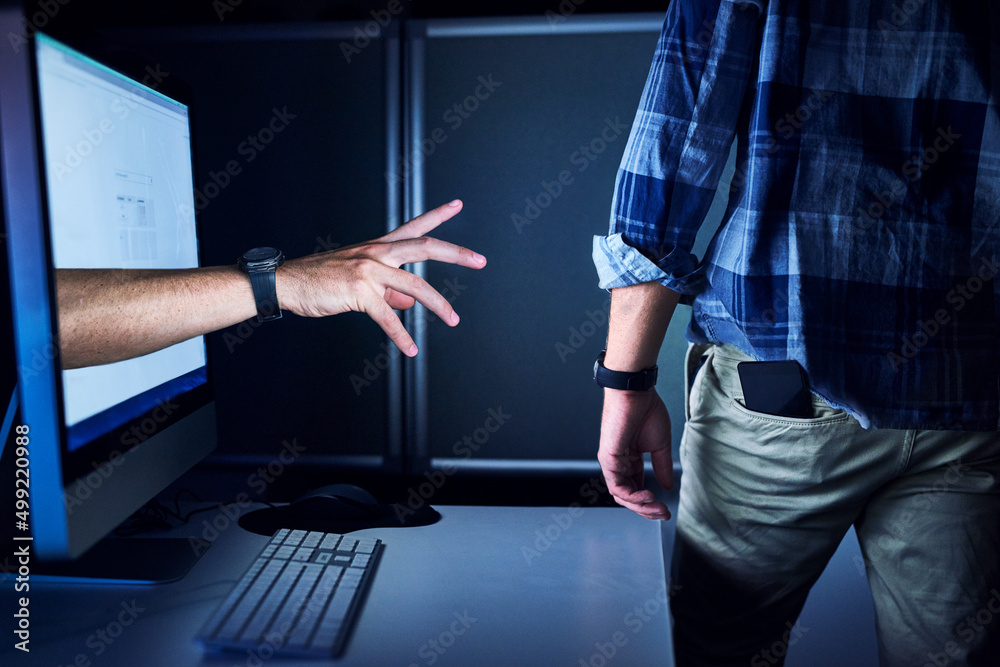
<point x="401" y="291"/>
<point x="411" y="251"/>
<point x="623" y="488"/>
<point x="654" y="510"/>
<point x="398" y="301"/>
<point x="422" y="224"/>
<point x="663" y="468"/>
<point x="406" y="285"/>
<point x="382" y="313"/>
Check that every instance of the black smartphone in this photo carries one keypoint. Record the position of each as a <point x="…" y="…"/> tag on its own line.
<point x="777" y="388"/>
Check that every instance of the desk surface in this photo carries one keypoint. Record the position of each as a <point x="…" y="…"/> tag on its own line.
<point x="484" y="586"/>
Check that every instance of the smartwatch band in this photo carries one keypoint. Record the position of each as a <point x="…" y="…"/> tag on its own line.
<point x="643" y="380"/>
<point x="265" y="292"/>
<point x="260" y="265"/>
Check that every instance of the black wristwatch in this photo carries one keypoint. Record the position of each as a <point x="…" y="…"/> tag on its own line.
<point x="643" y="380"/>
<point x="260" y="264"/>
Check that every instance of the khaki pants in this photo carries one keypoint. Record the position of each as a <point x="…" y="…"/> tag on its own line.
<point x="765" y="502"/>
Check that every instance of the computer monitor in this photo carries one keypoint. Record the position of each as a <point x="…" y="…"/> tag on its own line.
<point x="96" y="173"/>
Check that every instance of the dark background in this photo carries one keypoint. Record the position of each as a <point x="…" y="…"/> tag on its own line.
<point x="105" y="13"/>
<point x="321" y="184"/>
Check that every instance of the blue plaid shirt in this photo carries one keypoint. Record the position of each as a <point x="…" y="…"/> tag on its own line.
<point x="861" y="234"/>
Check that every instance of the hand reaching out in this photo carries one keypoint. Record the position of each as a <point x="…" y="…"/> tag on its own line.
<point x="366" y="277"/>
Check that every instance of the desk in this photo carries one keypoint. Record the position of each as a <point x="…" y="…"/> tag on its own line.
<point x="490" y="586"/>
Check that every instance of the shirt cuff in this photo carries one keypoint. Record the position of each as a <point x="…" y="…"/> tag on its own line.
<point x="621" y="265"/>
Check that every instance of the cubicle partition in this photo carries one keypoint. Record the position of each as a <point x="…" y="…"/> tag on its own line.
<point x="315" y="136"/>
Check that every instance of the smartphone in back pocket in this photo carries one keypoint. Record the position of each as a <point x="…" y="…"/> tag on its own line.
<point x="777" y="388"/>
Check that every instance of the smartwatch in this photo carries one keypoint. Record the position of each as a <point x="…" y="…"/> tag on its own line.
<point x="260" y="264"/>
<point x="639" y="381"/>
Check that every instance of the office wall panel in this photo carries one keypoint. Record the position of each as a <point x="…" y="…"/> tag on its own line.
<point x="291" y="138"/>
<point x="527" y="122"/>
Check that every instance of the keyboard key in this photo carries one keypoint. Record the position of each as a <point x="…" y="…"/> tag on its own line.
<point x="284" y="553"/>
<point x="220" y="616"/>
<point x="330" y="542"/>
<point x="261" y="622"/>
<point x="302" y="554"/>
<point x="241" y="613"/>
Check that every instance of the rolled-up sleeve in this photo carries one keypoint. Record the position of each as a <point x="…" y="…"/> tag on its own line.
<point x="679" y="144"/>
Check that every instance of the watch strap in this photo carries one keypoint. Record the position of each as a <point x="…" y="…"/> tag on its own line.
<point x="624" y="380"/>
<point x="265" y="293"/>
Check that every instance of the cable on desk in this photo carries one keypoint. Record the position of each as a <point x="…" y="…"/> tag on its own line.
<point x="154" y="515"/>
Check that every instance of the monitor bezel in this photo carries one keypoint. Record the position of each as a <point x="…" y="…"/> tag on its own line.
<point x="72" y="511"/>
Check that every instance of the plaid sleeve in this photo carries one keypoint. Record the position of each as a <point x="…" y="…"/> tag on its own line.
<point x="679" y="144"/>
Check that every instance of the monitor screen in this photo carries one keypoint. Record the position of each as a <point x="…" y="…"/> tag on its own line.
<point x="96" y="172"/>
<point x="118" y="165"/>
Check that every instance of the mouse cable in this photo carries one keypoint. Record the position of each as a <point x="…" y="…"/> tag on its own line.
<point x="155" y="515"/>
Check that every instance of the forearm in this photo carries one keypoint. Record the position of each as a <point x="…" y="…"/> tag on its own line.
<point x="638" y="322"/>
<point x="107" y="315"/>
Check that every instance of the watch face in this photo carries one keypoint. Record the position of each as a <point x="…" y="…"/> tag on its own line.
<point x="261" y="255"/>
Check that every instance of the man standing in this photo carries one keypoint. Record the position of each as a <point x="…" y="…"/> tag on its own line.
<point x="861" y="241"/>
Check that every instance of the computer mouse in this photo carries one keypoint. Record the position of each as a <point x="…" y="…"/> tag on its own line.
<point x="344" y="502"/>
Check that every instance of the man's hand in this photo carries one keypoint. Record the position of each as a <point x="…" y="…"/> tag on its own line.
<point x="633" y="423"/>
<point x="366" y="277"/>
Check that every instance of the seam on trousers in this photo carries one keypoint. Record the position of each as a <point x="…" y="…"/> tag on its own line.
<point x="906" y="451"/>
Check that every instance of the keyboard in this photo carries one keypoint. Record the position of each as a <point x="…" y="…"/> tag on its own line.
<point x="300" y="596"/>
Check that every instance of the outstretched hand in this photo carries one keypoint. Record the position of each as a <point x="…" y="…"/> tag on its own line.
<point x="366" y="277"/>
<point x="634" y="423"/>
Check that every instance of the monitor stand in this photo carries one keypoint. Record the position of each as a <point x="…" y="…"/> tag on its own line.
<point x="125" y="561"/>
